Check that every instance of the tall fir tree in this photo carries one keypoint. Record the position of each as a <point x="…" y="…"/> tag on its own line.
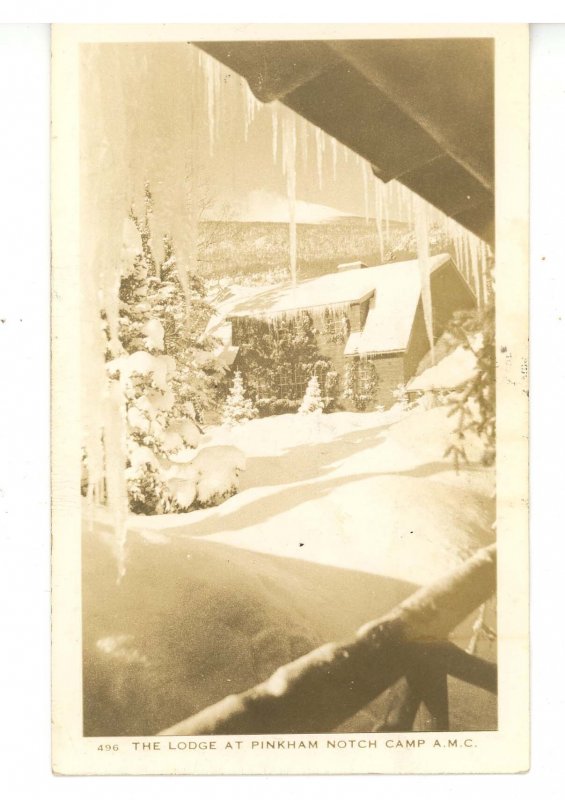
<point x="183" y="310"/>
<point x="155" y="428"/>
<point x="166" y="368"/>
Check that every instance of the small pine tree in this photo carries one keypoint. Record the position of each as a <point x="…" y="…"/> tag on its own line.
<point x="237" y="407"/>
<point x="312" y="402"/>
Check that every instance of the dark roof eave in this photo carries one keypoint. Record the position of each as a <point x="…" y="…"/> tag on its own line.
<point x="440" y="148"/>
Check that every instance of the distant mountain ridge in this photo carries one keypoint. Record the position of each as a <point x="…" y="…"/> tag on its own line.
<point x="237" y="247"/>
<point x="262" y="206"/>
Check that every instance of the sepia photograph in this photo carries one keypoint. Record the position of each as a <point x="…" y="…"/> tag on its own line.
<point x="290" y="399"/>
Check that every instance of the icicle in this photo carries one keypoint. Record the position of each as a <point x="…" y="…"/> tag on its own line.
<point x="365" y="170"/>
<point x="485" y="272"/>
<point x="474" y="247"/>
<point x="386" y="213"/>
<point x="318" y="314"/>
<point x="250" y="106"/>
<point x="378" y="217"/>
<point x="450" y="234"/>
<point x="319" y="154"/>
<point x="409" y="206"/>
<point x="304" y="142"/>
<point x="106" y="184"/>
<point x="455" y="237"/>
<point x="275" y="124"/>
<point x="463" y="261"/>
<point x="211" y="71"/>
<point x="393" y="200"/>
<point x="289" y="168"/>
<point x="333" y="144"/>
<point x="114" y="449"/>
<point x="210" y="96"/>
<point x="466" y="253"/>
<point x="422" y="244"/>
<point x="401" y="212"/>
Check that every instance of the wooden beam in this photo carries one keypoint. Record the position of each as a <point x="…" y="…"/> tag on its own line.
<point x="319" y="691"/>
<point x="431" y="684"/>
<point x="402" y="709"/>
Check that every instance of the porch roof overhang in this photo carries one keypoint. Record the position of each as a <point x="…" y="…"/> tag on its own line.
<point x="421" y="111"/>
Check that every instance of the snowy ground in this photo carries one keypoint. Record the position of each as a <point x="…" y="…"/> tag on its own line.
<point x="363" y="491"/>
<point x="337" y="519"/>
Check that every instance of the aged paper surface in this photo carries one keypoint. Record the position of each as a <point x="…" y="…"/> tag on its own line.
<point x="252" y="225"/>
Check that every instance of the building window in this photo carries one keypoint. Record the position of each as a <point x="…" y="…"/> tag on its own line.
<point x="367" y="376"/>
<point x="361" y="383"/>
<point x="336" y="326"/>
<point x="291" y="382"/>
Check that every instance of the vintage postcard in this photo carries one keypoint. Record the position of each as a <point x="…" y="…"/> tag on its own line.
<point x="290" y="399"/>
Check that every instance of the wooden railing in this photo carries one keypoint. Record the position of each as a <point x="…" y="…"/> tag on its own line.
<point x="320" y="690"/>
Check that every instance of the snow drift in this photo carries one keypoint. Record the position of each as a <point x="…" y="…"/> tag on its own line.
<point x="337" y="519"/>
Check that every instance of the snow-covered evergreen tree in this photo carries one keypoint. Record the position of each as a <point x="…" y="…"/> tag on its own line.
<point x="152" y="365"/>
<point x="155" y="428"/>
<point x="182" y="309"/>
<point x="237" y="407"/>
<point x="145" y="381"/>
<point x="312" y="402"/>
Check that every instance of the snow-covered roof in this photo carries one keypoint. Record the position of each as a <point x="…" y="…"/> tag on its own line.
<point x="220" y="329"/>
<point x="390" y="319"/>
<point x="238" y="300"/>
<point x="452" y="371"/>
<point x="333" y="289"/>
<point x="394" y="290"/>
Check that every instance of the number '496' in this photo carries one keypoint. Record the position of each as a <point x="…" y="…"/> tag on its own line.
<point x="107" y="747"/>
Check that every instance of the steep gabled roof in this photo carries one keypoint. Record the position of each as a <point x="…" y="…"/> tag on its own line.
<point x="390" y="319"/>
<point x="326" y="291"/>
<point x="397" y="284"/>
<point x="394" y="290"/>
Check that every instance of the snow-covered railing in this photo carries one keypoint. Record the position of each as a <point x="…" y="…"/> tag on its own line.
<point x="320" y="690"/>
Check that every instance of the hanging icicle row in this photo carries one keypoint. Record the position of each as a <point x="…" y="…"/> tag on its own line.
<point x="471" y="256"/>
<point x="104" y="207"/>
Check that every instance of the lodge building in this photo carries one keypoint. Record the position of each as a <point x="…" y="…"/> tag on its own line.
<point x="372" y="316"/>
